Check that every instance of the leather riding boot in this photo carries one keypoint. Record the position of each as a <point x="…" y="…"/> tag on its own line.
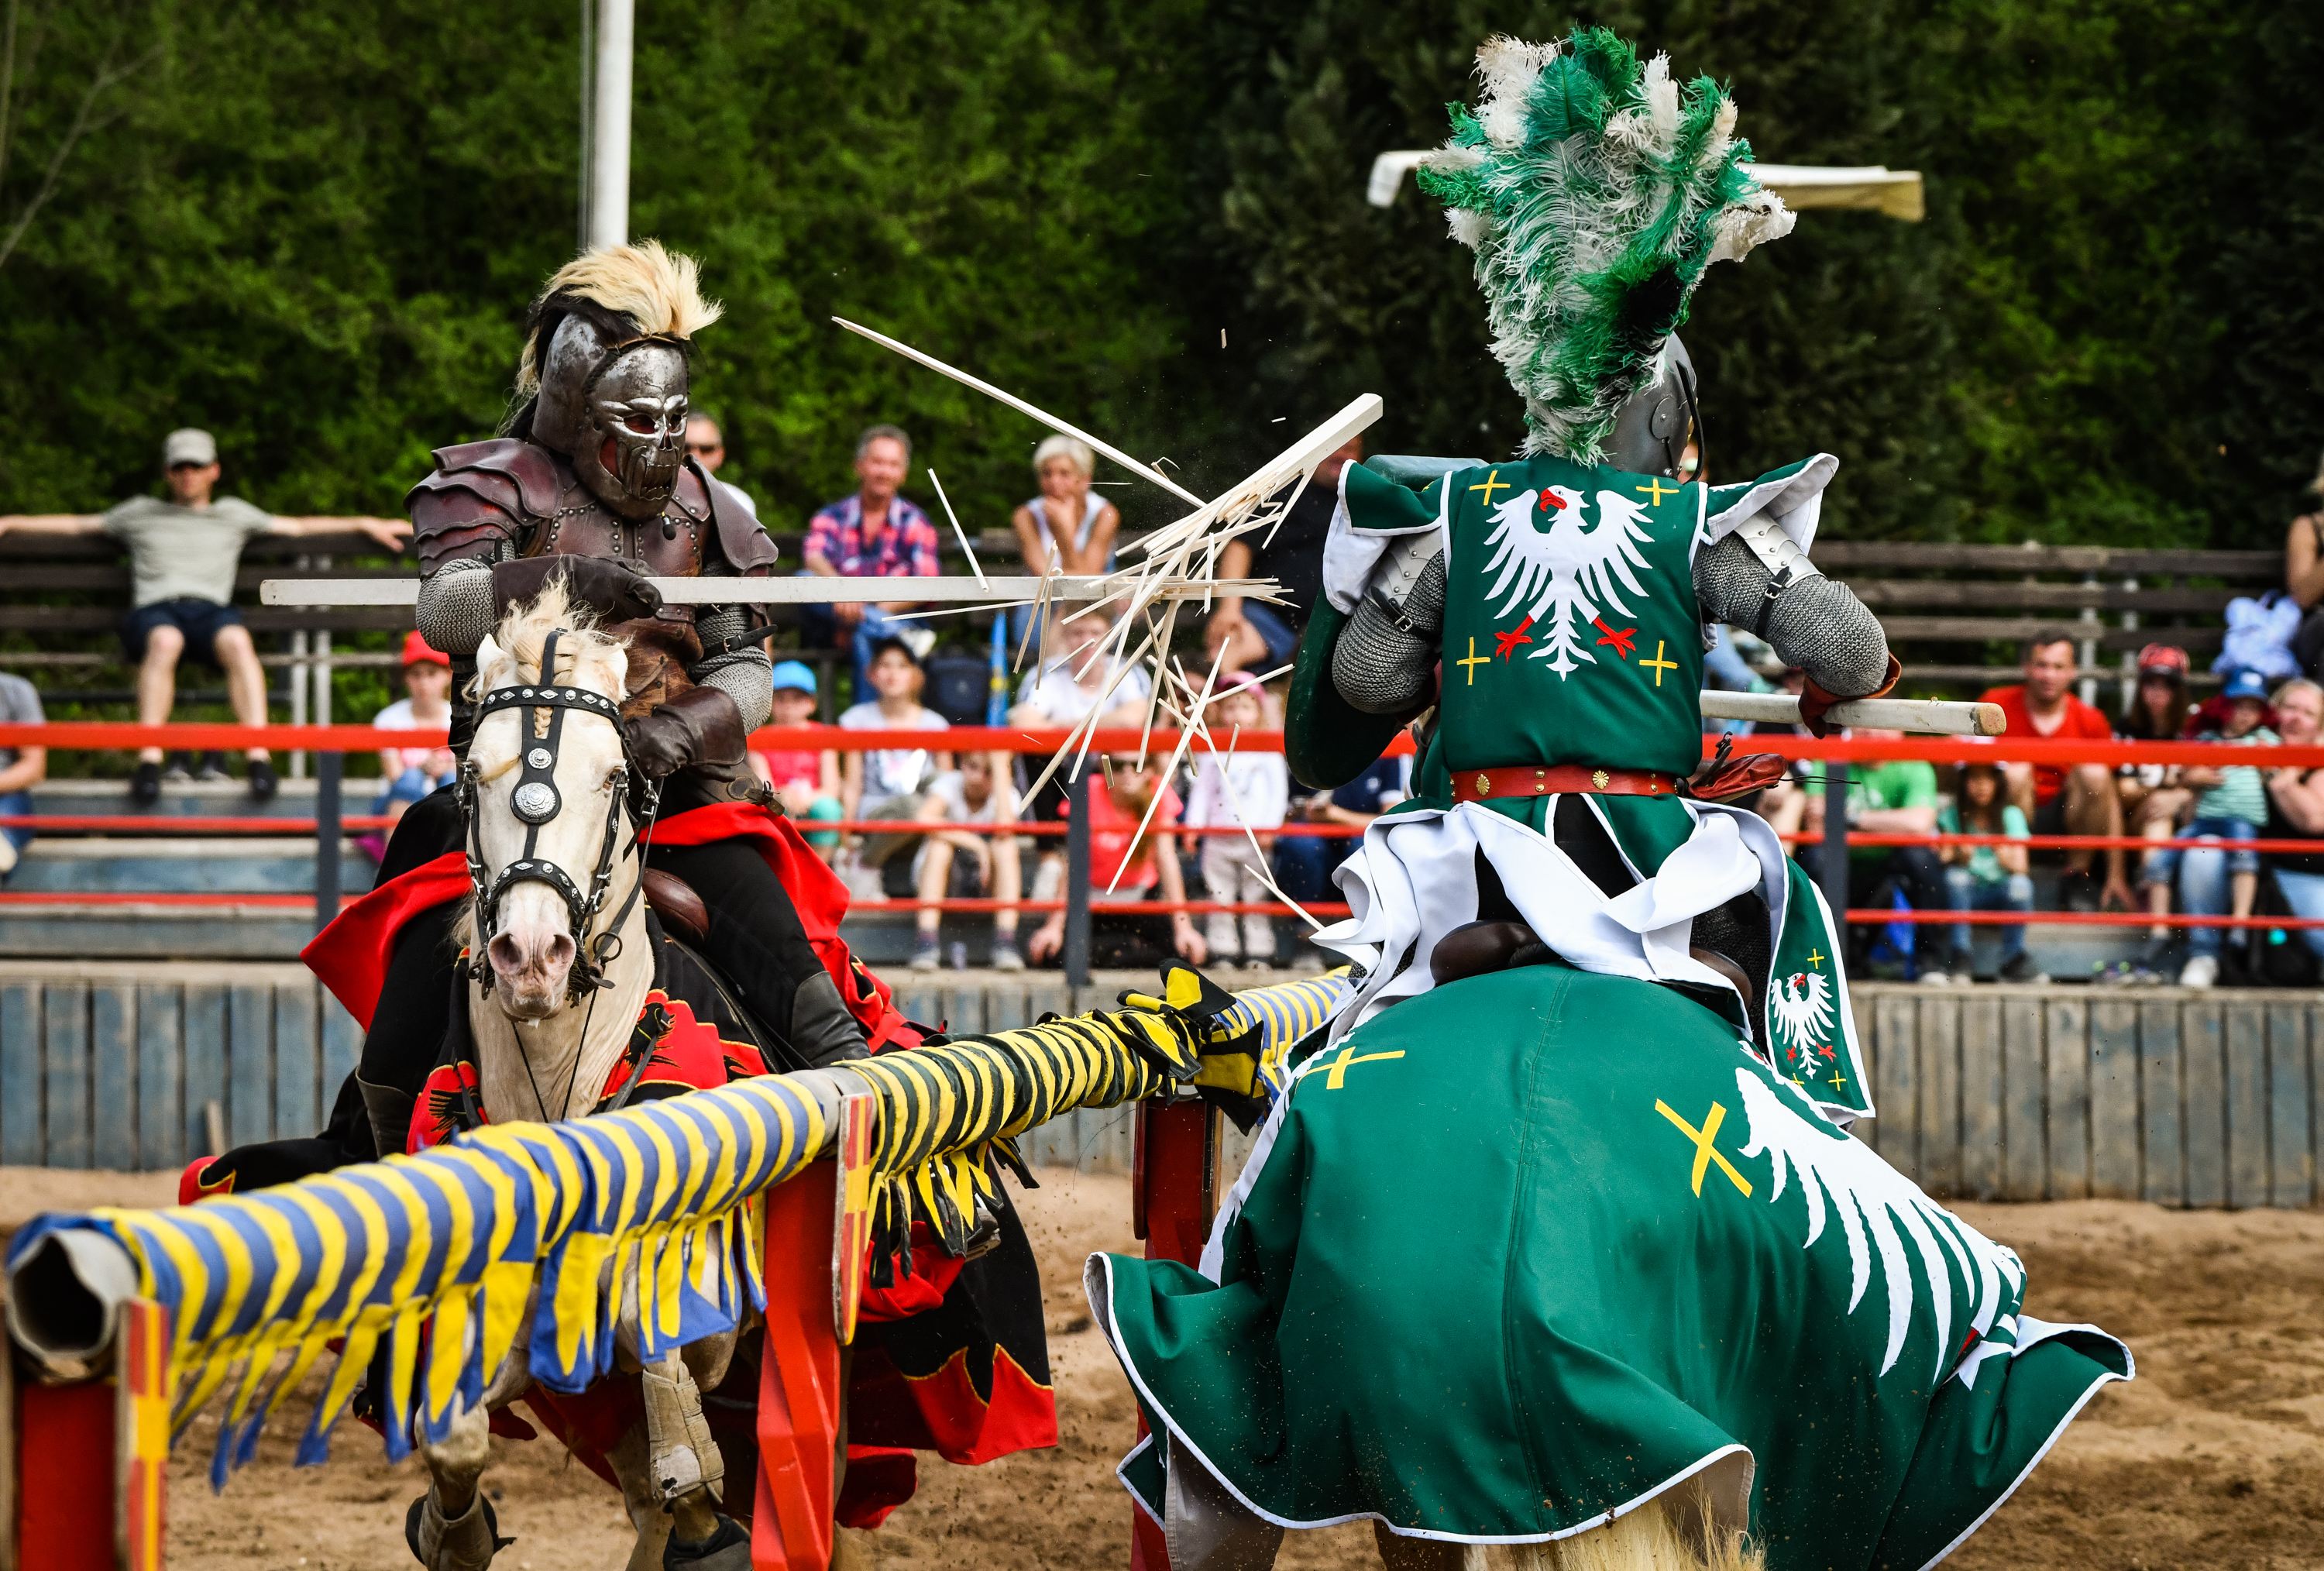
<point x="466" y="1542"/>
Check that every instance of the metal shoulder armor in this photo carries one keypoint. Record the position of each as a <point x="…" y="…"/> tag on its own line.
<point x="480" y="497"/>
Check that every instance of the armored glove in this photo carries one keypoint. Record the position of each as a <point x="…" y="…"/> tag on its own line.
<point x="1814" y="701"/>
<point x="614" y="590"/>
<point x="701" y="728"/>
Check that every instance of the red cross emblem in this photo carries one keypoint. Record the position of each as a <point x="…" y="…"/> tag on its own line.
<point x="1509" y="641"/>
<point x="1619" y="639"/>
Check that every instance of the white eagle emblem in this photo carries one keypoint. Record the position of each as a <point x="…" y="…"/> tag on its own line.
<point x="1562" y="576"/>
<point x="1880" y="1209"/>
<point x="1801" y="1004"/>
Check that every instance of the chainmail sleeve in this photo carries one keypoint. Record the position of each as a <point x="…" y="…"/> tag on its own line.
<point x="1814" y="623"/>
<point x="456" y="607"/>
<point x="744" y="675"/>
<point x="1388" y="650"/>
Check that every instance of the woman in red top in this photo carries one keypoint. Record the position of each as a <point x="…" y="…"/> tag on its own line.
<point x="1148" y="865"/>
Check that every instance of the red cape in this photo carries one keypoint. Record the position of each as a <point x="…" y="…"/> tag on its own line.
<point x="350" y="956"/>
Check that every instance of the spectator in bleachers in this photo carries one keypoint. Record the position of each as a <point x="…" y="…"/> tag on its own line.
<point x="2230" y="807"/>
<point x="1985" y="878"/>
<point x="876" y="533"/>
<point x="2295" y="808"/>
<point x="2154" y="803"/>
<point x="1059" y="693"/>
<point x="889" y="782"/>
<point x="706" y="444"/>
<point x="1784" y="804"/>
<point x="2303" y="576"/>
<point x="1897" y="795"/>
<point x="1304" y="863"/>
<point x="1260" y="637"/>
<point x="805" y="780"/>
<point x="1068" y="526"/>
<point x="966" y="865"/>
<point x="1239" y="788"/>
<point x="412" y="773"/>
<point x="182" y="555"/>
<point x="21" y="768"/>
<point x="2057" y="798"/>
<point x="1136" y="868"/>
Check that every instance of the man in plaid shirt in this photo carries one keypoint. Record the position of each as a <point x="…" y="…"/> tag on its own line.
<point x="872" y="534"/>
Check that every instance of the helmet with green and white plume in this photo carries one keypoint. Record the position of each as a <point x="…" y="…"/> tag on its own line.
<point x="1594" y="191"/>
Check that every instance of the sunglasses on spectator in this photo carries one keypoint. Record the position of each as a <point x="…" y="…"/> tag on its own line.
<point x="700" y="448"/>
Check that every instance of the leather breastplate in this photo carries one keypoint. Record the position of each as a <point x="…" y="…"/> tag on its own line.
<point x="672" y="546"/>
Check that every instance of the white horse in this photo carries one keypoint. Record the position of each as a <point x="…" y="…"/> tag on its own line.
<point x="560" y="876"/>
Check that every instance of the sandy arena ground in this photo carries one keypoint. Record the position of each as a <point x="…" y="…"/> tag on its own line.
<point x="2215" y="1457"/>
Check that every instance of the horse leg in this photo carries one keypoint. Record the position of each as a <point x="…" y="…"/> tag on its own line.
<point x="452" y="1527"/>
<point x="1665" y="1535"/>
<point x="671" y="1472"/>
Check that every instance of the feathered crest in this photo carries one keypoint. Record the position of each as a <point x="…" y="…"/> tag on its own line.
<point x="650" y="289"/>
<point x="1594" y="191"/>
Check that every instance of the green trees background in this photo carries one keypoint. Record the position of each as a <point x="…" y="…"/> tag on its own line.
<point x="314" y="230"/>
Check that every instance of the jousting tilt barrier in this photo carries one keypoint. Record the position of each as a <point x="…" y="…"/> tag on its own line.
<point x="767" y="1189"/>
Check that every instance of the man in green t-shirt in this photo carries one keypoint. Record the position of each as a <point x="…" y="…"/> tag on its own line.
<point x="183" y="552"/>
<point x="1896" y="796"/>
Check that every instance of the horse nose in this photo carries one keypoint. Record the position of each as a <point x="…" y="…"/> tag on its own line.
<point x="532" y="960"/>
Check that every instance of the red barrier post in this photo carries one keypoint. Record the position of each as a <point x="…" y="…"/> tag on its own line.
<point x="1174" y="1196"/>
<point x="86" y="1463"/>
<point x="799" y="1391"/>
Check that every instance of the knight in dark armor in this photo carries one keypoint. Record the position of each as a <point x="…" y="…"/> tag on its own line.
<point x="592" y="484"/>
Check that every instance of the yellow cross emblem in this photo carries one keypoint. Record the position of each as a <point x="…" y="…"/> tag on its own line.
<point x="1659" y="664"/>
<point x="1838" y="1080"/>
<point x="1492" y="482"/>
<point x="1476" y="660"/>
<point x="1815" y="958"/>
<point x="1705" y="1153"/>
<point x="1656" y="491"/>
<point x="1336" y="1072"/>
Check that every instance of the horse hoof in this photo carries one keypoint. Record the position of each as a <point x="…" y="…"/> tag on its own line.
<point x="727" y="1549"/>
<point x="463" y="1543"/>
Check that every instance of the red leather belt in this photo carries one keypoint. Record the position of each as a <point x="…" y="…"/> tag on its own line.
<point x="1529" y="779"/>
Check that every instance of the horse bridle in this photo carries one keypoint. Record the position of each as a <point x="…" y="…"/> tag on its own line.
<point x="537" y="801"/>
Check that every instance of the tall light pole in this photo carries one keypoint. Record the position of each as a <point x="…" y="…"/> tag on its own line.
<point x="606" y="52"/>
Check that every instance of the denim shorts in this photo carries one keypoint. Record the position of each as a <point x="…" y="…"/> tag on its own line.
<point x="1282" y="640"/>
<point x="200" y="621"/>
<point x="2162" y="866"/>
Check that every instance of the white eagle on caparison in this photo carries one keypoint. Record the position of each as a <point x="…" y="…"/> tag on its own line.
<point x="1567" y="572"/>
<point x="1801" y="1004"/>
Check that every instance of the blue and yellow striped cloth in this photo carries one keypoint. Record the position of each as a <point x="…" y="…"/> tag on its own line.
<point x="434" y="1257"/>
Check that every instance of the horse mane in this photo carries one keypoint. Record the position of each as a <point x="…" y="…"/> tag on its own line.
<point x="523" y="633"/>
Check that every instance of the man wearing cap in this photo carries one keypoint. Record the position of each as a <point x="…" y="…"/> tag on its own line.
<point x="183" y="553"/>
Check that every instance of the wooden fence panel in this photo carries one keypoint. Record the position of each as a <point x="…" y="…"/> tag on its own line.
<point x="204" y="1026"/>
<point x="298" y="1064"/>
<point x="2247" y="1112"/>
<point x="1895" y="1079"/>
<point x="2024" y="1151"/>
<point x="161" y="1078"/>
<point x="22" y="1055"/>
<point x="112" y="1053"/>
<point x="250" y="1065"/>
<point x="2069" y="1128"/>
<point x="2163" y="1125"/>
<point x="2114" y="1099"/>
<point x="64" y="1012"/>
<point x="2291" y="1153"/>
<point x="2203" y="1033"/>
<point x="1982" y="1094"/>
<point x="342" y="1048"/>
<point x="1941" y="1095"/>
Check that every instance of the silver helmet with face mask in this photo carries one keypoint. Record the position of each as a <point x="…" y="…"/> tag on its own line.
<point x="605" y="360"/>
<point x="1655" y="423"/>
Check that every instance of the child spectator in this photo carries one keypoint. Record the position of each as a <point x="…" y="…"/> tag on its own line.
<point x="2230" y="805"/>
<point x="1244" y="789"/>
<point x="412" y="773"/>
<point x="886" y="782"/>
<point x="1071" y="681"/>
<point x="1895" y="796"/>
<point x="21" y="768"/>
<point x="2153" y="800"/>
<point x="1985" y="878"/>
<point x="966" y="865"/>
<point x="1136" y="867"/>
<point x="806" y="780"/>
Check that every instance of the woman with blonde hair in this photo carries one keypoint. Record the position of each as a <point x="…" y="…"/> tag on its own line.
<point x="1066" y="527"/>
